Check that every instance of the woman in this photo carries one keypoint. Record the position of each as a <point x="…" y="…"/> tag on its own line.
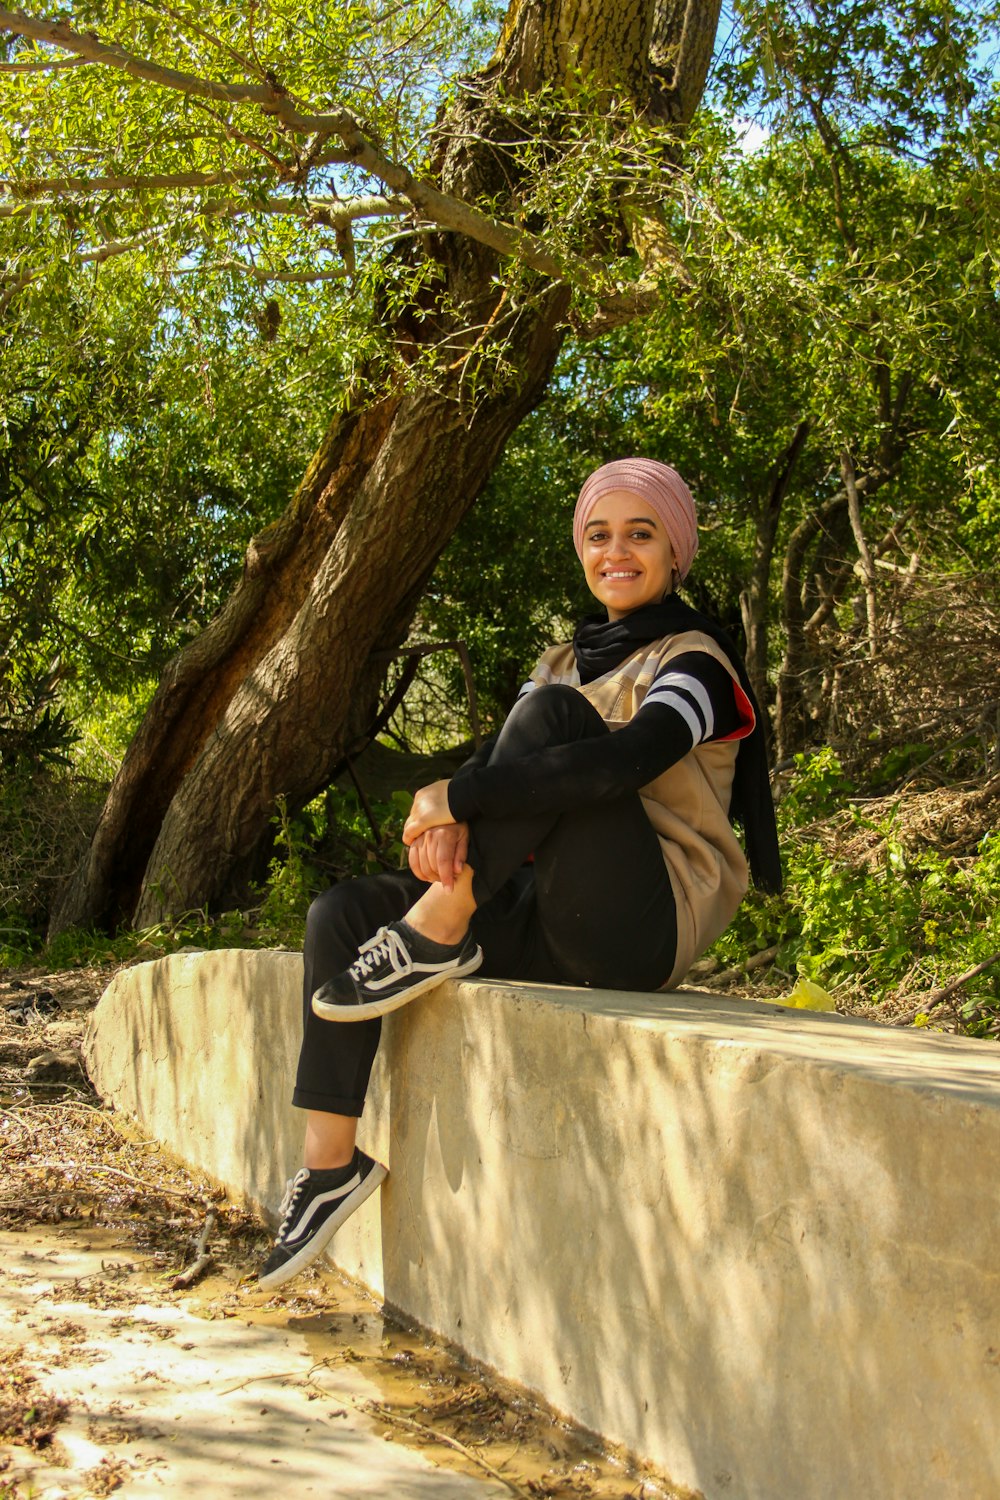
<point x="635" y="866"/>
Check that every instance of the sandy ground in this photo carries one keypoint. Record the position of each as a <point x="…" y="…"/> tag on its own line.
<point x="113" y="1379"/>
<point x="161" y="1399"/>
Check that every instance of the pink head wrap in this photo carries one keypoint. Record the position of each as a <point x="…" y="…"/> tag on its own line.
<point x="660" y="486"/>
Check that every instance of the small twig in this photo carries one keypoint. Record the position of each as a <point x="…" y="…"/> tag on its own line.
<point x="937" y="997"/>
<point x="52" y="65"/>
<point x="202" y="1259"/>
<point x="366" y="805"/>
<point x="321" y="1364"/>
<point x="386" y="1414"/>
<point x="755" y="961"/>
<point x="151" y="1187"/>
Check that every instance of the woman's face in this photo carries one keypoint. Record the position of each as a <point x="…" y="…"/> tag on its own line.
<point x="627" y="557"/>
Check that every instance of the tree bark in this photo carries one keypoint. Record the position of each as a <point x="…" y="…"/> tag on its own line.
<point x="791" y="726"/>
<point x="266" y="701"/>
<point x="754" y="602"/>
<point x="791" y="721"/>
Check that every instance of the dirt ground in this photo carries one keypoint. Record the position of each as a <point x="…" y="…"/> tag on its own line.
<point x="115" y="1375"/>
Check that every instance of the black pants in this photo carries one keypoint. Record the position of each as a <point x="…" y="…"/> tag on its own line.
<point x="595" y="908"/>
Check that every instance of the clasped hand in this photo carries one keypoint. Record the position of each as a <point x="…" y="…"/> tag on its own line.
<point x="437" y="845"/>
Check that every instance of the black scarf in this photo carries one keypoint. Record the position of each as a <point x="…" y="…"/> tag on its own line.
<point x="600" y="645"/>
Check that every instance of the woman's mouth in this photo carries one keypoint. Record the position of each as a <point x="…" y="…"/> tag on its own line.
<point x="619" y="575"/>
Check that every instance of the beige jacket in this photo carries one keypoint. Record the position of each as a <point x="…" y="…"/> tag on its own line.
<point x="688" y="805"/>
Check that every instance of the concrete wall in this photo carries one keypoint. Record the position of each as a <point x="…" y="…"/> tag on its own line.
<point x="757" y="1247"/>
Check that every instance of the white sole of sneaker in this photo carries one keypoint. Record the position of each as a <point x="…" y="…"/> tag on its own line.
<point x="365" y="1010"/>
<point x="314" y="1249"/>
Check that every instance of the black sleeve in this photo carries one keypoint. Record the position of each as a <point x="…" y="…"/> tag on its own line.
<point x="478" y="758"/>
<point x="599" y="769"/>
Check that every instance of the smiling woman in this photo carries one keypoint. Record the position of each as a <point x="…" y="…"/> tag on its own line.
<point x="589" y="843"/>
<point x="628" y="559"/>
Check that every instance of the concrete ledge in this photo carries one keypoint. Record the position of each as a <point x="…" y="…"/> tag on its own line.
<point x="757" y="1247"/>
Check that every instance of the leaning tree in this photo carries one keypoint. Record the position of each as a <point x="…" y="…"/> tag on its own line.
<point x="260" y="142"/>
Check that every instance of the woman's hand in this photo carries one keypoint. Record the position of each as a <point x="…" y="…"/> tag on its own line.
<point x="440" y="854"/>
<point x="429" y="810"/>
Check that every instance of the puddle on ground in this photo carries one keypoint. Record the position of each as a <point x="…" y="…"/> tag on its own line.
<point x="432" y="1399"/>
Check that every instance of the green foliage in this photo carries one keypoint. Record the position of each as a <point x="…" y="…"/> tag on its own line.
<point x="905" y="72"/>
<point x="351" y="840"/>
<point x="331" y="839"/>
<point x="142" y="441"/>
<point x="45" y="822"/>
<point x="293" y="881"/>
<point x="247" y="215"/>
<point x="158" y="406"/>
<point x="78" y="947"/>
<point x="35" y="730"/>
<point x="864" y="912"/>
<point x="509" y="583"/>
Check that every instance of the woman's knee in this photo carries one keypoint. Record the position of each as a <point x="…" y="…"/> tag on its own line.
<point x="325" y="908"/>
<point x="337" y="917"/>
<point x="350" y="912"/>
<point x="555" y="710"/>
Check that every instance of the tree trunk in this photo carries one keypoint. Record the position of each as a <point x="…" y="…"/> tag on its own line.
<point x="754" y="601"/>
<point x="282" y="682"/>
<point x="791" y="717"/>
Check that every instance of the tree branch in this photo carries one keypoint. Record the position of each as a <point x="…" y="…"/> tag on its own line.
<point x="864" y="551"/>
<point x="335" y="273"/>
<point x="624" y="305"/>
<point x="430" y="203"/>
<point x="938" y="996"/>
<point x="684" y="63"/>
<point x="334" y="213"/>
<point x="53" y="65"/>
<point x="34" y="187"/>
<point x="834" y="592"/>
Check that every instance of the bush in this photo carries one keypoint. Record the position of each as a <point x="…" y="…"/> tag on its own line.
<point x="46" y="820"/>
<point x="873" y="907"/>
<point x="331" y="839"/>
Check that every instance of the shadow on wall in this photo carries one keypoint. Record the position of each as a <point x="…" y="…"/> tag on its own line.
<point x="212" y="1056"/>
<point x="704" y="1250"/>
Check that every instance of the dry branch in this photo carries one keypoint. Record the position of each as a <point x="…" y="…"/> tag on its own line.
<point x="386" y="1414"/>
<point x="149" y="1187"/>
<point x="938" y="997"/>
<point x="864" y="551"/>
<point x="202" y="1259"/>
<point x="755" y="961"/>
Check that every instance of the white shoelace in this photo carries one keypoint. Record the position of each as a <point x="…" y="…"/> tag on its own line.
<point x="287" y="1206"/>
<point x="386" y="944"/>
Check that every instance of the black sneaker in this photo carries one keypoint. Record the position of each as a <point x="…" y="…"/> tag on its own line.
<point x="313" y="1209"/>
<point x="393" y="968"/>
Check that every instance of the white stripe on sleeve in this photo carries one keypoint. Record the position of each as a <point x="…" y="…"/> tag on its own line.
<point x="671" y="699"/>
<point x="672" y="685"/>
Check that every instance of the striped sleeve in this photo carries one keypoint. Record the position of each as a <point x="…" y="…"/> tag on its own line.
<point x="699" y="700"/>
<point x="702" y="692"/>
